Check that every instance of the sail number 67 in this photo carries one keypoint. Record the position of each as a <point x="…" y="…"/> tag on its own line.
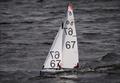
<point x="68" y="31"/>
<point x="55" y="54"/>
<point x="54" y="63"/>
<point x="70" y="44"/>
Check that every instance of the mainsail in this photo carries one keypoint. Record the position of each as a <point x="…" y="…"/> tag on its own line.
<point x="70" y="57"/>
<point x="64" y="51"/>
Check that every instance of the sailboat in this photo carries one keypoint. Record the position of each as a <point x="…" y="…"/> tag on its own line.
<point x="63" y="54"/>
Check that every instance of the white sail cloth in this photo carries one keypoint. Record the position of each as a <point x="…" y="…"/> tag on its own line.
<point x="64" y="50"/>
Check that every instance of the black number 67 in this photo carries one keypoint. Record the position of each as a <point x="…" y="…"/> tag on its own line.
<point x="70" y="44"/>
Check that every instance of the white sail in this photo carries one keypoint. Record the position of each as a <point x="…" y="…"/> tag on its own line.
<point x="70" y="55"/>
<point x="64" y="50"/>
<point x="54" y="57"/>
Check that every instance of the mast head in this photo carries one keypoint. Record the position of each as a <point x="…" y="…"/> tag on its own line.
<point x="70" y="7"/>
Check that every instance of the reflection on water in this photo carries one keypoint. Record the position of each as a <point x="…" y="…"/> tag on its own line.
<point x="66" y="81"/>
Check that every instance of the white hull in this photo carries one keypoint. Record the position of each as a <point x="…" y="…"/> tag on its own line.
<point x="47" y="72"/>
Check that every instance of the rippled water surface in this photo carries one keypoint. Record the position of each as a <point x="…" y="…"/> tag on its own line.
<point x="28" y="28"/>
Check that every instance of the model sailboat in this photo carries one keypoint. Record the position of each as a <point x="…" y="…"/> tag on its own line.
<point x="63" y="54"/>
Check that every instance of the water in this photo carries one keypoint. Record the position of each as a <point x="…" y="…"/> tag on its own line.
<point x="28" y="27"/>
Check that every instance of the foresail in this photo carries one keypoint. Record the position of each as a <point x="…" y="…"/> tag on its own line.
<point x="70" y="57"/>
<point x="54" y="57"/>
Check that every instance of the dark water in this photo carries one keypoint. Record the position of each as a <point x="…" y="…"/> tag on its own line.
<point x="28" y="27"/>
